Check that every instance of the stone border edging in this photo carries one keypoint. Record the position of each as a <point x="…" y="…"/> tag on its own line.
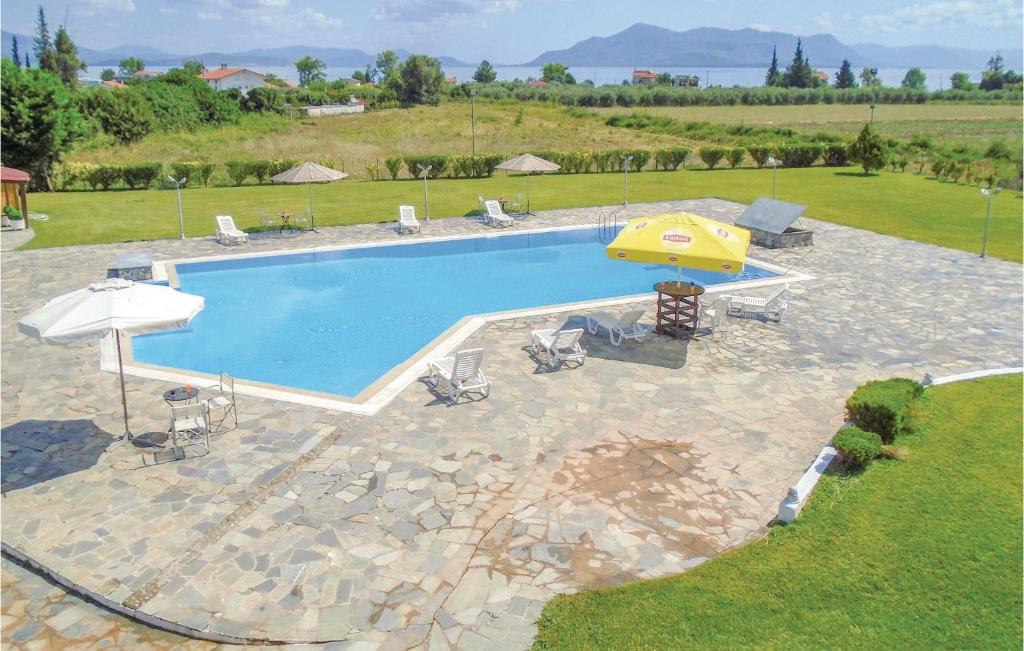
<point x="800" y="492"/>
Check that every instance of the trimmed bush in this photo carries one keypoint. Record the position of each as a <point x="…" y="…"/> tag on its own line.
<point x="711" y="156"/>
<point x="640" y="158"/>
<point x="799" y="155"/>
<point x="394" y="165"/>
<point x="736" y="156"/>
<point x="836" y="155"/>
<point x="438" y="165"/>
<point x="197" y="172"/>
<point x="279" y="165"/>
<point x="238" y="170"/>
<point x="760" y="154"/>
<point x="881" y="406"/>
<point x="104" y="176"/>
<point x="140" y="175"/>
<point x="857" y="447"/>
<point x="670" y="159"/>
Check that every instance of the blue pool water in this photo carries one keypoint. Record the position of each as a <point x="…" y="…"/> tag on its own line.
<point x="335" y="321"/>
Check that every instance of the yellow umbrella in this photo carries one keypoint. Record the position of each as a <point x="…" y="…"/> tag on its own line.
<point x="683" y="240"/>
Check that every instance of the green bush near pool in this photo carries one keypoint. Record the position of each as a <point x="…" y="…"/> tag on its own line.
<point x="857" y="447"/>
<point x="882" y="407"/>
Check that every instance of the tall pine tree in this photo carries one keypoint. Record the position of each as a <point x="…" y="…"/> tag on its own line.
<point x="65" y="58"/>
<point x="15" y="56"/>
<point x="41" y="42"/>
<point x="845" y="78"/>
<point x="799" y="73"/>
<point x="773" y="77"/>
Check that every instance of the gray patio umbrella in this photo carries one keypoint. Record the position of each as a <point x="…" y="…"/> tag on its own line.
<point x="112" y="306"/>
<point x="308" y="173"/>
<point x="529" y="164"/>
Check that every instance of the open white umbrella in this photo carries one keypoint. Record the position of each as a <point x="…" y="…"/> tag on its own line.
<point x="309" y="173"/>
<point x="529" y="164"/>
<point x="114" y="305"/>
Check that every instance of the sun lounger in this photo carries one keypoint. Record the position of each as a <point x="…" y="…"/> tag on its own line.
<point x="772" y="306"/>
<point x="619" y="328"/>
<point x="407" y="222"/>
<point x="561" y="346"/>
<point x="459" y="374"/>
<point x="495" y="216"/>
<point x="227" y="233"/>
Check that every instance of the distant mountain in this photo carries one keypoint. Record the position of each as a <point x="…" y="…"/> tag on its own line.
<point x="333" y="57"/>
<point x="645" y="45"/>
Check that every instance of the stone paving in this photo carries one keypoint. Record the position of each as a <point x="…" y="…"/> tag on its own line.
<point x="427" y="526"/>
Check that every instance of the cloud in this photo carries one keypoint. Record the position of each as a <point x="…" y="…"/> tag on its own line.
<point x="994" y="14"/>
<point x="761" y="27"/>
<point x="274" y="18"/>
<point x="428" y="11"/>
<point x="825" y="23"/>
<point x="93" y="7"/>
<point x="208" y="15"/>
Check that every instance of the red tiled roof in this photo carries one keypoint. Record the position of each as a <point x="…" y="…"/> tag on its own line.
<point x="221" y="73"/>
<point x="538" y="82"/>
<point x="113" y="83"/>
<point x="644" y="74"/>
<point x="12" y="175"/>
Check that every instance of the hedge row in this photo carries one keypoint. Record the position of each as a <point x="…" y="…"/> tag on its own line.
<point x="135" y="175"/>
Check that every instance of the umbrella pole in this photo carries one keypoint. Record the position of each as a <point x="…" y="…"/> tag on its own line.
<point x="127" y="436"/>
<point x="528" y="194"/>
<point x="312" y="224"/>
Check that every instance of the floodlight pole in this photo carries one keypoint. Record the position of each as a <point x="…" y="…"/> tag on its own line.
<point x="988" y="193"/>
<point x="181" y="218"/>
<point x="426" y="197"/>
<point x="774" y="163"/>
<point x="472" y="105"/>
<point x="625" y="179"/>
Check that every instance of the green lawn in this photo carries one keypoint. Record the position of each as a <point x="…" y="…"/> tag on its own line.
<point x="922" y="553"/>
<point x="901" y="204"/>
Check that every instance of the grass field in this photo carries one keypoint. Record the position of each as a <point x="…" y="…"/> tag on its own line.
<point x="900" y="204"/>
<point x="357" y="140"/>
<point x="922" y="553"/>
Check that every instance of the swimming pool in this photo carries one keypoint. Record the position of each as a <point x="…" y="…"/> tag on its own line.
<point x="336" y="320"/>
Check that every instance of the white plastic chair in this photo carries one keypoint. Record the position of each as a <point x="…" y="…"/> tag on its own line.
<point x="623" y="327"/>
<point x="561" y="346"/>
<point x="407" y="221"/>
<point x="222" y="403"/>
<point x="772" y="306"/>
<point x="495" y="216"/>
<point x="712" y="315"/>
<point x="269" y="223"/>
<point x="516" y="205"/>
<point x="460" y="374"/>
<point x="227" y="233"/>
<point x="189" y="426"/>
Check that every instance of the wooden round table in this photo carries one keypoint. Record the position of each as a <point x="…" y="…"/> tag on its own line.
<point x="678" y="308"/>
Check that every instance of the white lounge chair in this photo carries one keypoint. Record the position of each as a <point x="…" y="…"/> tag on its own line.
<point x="712" y="315"/>
<point x="227" y="233"/>
<point x="619" y="328"/>
<point x="495" y="216"/>
<point x="407" y="221"/>
<point x="772" y="306"/>
<point x="561" y="346"/>
<point x="222" y="404"/>
<point x="460" y="374"/>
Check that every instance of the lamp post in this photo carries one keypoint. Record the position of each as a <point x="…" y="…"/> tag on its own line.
<point x="424" y="171"/>
<point x="988" y="193"/>
<point x="472" y="105"/>
<point x="181" y="218"/>
<point x="774" y="164"/>
<point x="625" y="179"/>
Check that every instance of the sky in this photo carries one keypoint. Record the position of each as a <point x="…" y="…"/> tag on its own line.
<point x="503" y="31"/>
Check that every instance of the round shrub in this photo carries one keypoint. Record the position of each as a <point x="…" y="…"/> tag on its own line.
<point x="857" y="447"/>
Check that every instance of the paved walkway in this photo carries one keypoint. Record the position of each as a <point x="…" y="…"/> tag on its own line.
<point x="434" y="526"/>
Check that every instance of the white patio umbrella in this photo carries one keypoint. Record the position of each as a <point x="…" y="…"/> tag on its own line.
<point x="114" y="305"/>
<point x="309" y="173"/>
<point x="528" y="163"/>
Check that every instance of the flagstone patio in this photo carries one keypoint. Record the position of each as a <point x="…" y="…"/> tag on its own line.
<point x="433" y="526"/>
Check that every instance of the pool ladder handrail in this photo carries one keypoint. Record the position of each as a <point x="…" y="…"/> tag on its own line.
<point x="608" y="225"/>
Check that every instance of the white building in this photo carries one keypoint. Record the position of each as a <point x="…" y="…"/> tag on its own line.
<point x="223" y="78"/>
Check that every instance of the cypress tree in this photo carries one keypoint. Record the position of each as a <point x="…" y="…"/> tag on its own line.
<point x="41" y="41"/>
<point x="799" y="73"/>
<point x="845" y="78"/>
<point x="15" y="56"/>
<point x="772" y="78"/>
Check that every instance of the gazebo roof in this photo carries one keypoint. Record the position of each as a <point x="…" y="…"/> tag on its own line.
<point x="12" y="175"/>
